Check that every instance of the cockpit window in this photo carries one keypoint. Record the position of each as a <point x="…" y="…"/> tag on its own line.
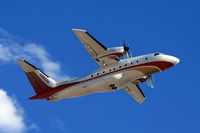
<point x="156" y="54"/>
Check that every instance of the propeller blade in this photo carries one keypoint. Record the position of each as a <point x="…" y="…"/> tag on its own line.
<point x="127" y="52"/>
<point x="150" y="81"/>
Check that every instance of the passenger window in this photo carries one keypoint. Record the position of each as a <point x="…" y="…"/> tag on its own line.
<point x="97" y="73"/>
<point x="131" y="62"/>
<point x="125" y="65"/>
<point x="103" y="71"/>
<point x="113" y="68"/>
<point x="146" y="58"/>
<point x="110" y="70"/>
<point x="91" y="75"/>
<point x="156" y="54"/>
<point x="137" y="61"/>
<point x="120" y="66"/>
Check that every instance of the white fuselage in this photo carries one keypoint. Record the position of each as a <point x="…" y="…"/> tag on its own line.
<point x="115" y="76"/>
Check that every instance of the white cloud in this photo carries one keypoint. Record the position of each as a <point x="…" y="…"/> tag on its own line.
<point x="11" y="115"/>
<point x="12" y="50"/>
<point x="59" y="124"/>
<point x="34" y="127"/>
<point x="12" y="118"/>
<point x="5" y="53"/>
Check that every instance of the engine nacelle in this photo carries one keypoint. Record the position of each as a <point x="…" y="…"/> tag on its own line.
<point x="113" y="52"/>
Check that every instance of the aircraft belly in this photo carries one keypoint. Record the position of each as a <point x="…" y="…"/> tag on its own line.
<point x="99" y="85"/>
<point x="84" y="88"/>
<point x="73" y="92"/>
<point x="148" y="69"/>
<point x="103" y="84"/>
<point x="140" y="72"/>
<point x="133" y="74"/>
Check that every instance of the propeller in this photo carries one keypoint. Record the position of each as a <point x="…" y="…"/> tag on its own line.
<point x="127" y="52"/>
<point x="150" y="81"/>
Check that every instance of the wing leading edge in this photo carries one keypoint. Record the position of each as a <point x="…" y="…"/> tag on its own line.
<point x="94" y="47"/>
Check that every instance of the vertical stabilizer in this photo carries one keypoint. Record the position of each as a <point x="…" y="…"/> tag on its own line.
<point x="39" y="80"/>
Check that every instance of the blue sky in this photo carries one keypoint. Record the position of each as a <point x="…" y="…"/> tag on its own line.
<point x="168" y="26"/>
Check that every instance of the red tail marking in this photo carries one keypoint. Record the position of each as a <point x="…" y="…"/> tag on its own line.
<point x="38" y="85"/>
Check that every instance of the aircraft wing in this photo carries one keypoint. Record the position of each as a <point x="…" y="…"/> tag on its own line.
<point x="94" y="47"/>
<point x="135" y="91"/>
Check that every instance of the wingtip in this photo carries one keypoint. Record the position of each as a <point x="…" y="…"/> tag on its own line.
<point x="77" y="29"/>
<point x="141" y="102"/>
<point x="21" y="60"/>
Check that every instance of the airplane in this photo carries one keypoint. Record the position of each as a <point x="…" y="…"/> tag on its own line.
<point x="114" y="72"/>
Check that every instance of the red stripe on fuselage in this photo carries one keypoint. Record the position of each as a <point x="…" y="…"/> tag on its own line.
<point x="162" y="65"/>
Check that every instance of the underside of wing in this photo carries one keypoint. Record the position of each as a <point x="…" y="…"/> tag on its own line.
<point x="96" y="49"/>
<point x="135" y="91"/>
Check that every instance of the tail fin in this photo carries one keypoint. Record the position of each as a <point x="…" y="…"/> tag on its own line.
<point x="39" y="80"/>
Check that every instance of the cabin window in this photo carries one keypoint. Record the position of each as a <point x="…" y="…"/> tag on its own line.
<point x="110" y="70"/>
<point x="91" y="75"/>
<point x="97" y="73"/>
<point x="156" y="54"/>
<point x="125" y="65"/>
<point x="137" y="61"/>
<point x="131" y="62"/>
<point x="113" y="68"/>
<point x="146" y="58"/>
<point x="103" y="71"/>
<point x="120" y="66"/>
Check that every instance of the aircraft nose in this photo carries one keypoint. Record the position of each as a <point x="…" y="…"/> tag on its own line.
<point x="175" y="60"/>
<point x="168" y="61"/>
